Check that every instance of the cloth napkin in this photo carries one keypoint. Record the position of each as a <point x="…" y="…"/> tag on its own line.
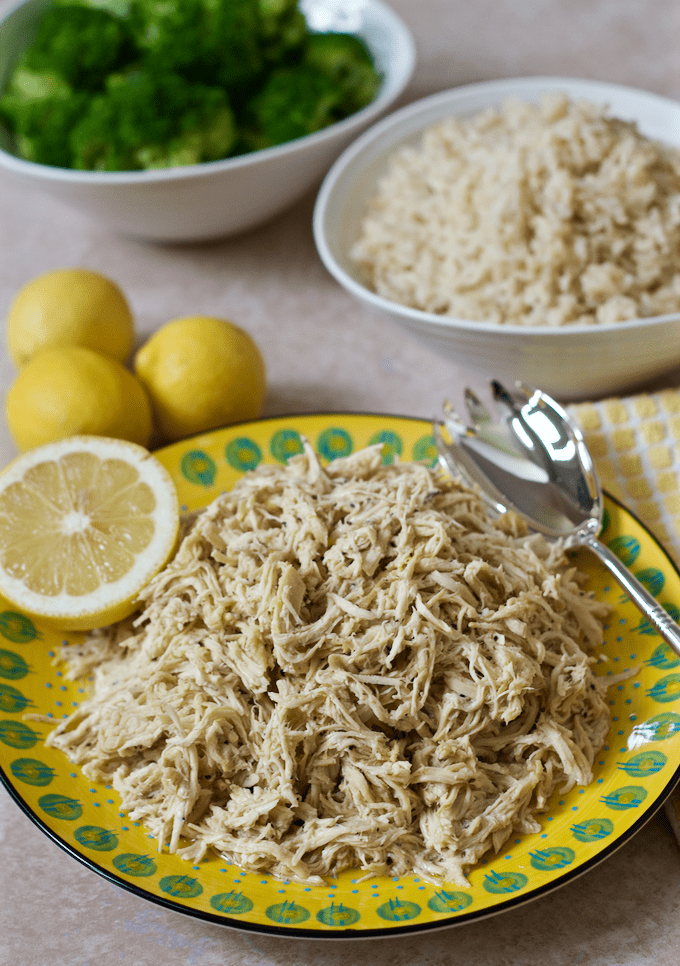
<point x="635" y="445"/>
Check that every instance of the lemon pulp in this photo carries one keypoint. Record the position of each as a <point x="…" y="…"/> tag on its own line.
<point x="84" y="525"/>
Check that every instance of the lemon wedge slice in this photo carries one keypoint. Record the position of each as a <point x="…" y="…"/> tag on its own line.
<point x="85" y="523"/>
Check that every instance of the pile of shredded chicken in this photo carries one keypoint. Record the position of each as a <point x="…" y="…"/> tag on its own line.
<point x="350" y="666"/>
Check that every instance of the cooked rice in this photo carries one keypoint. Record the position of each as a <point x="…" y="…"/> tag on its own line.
<point x="350" y="666"/>
<point x="543" y="214"/>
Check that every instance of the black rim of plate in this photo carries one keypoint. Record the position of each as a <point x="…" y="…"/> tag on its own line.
<point x="380" y="933"/>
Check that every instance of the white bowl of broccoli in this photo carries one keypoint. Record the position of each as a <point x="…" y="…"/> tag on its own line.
<point x="190" y="120"/>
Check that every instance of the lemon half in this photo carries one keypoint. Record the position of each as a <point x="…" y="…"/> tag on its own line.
<point x="85" y="523"/>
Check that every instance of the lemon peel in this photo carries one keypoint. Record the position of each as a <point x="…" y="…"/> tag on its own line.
<point x="72" y="390"/>
<point x="201" y="372"/>
<point x="70" y="306"/>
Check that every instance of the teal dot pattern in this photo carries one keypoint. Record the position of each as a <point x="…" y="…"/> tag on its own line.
<point x="96" y="838"/>
<point x="243" y="454"/>
<point x="12" y="666"/>
<point x="334" y="443"/>
<point x="16" y="734"/>
<point x="653" y="579"/>
<point x="627" y="549"/>
<point x="398" y="910"/>
<point x="338" y="916"/>
<point x="232" y="903"/>
<point x="663" y="657"/>
<point x="392" y="444"/>
<point x="592" y="830"/>
<point x="181" y="886"/>
<point x="646" y="627"/>
<point x="31" y="771"/>
<point x="660" y="727"/>
<point x="666" y="689"/>
<point x="13" y="701"/>
<point x="630" y="796"/>
<point x="291" y="913"/>
<point x="643" y="764"/>
<point x="425" y="451"/>
<point x="284" y="444"/>
<point x="502" y="882"/>
<point x="198" y="467"/>
<point x="545" y="860"/>
<point x="448" y="902"/>
<point x="61" y="806"/>
<point x="17" y="628"/>
<point x="135" y="865"/>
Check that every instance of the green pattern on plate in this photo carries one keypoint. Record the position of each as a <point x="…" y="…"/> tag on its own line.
<point x="399" y="910"/>
<point x="198" y="467"/>
<point x="16" y="734"/>
<point x="13" y="701"/>
<point x="333" y="443"/>
<point x="97" y="838"/>
<point x="425" y="450"/>
<point x="284" y="444"/>
<point x="630" y="796"/>
<point x="646" y="627"/>
<point x="32" y="772"/>
<point x="445" y="901"/>
<point x="666" y="689"/>
<point x="338" y="916"/>
<point x="592" y="830"/>
<point x="393" y="444"/>
<point x="645" y="763"/>
<point x="627" y="549"/>
<point x="182" y="886"/>
<point x="17" y="627"/>
<point x="287" y="912"/>
<point x="12" y="666"/>
<point x="61" y="807"/>
<point x="233" y="903"/>
<point x="133" y="864"/>
<point x="243" y="454"/>
<point x="501" y="882"/>
<point x="549" y="859"/>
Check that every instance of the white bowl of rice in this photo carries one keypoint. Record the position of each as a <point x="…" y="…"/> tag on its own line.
<point x="528" y="229"/>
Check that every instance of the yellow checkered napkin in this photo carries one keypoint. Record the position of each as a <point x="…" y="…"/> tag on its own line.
<point x="635" y="445"/>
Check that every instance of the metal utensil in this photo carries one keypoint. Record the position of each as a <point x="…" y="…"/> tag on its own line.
<point x="533" y="460"/>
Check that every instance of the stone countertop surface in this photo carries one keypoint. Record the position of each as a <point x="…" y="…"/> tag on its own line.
<point x="325" y="352"/>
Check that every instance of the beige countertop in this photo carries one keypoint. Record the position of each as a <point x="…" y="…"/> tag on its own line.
<point x="324" y="352"/>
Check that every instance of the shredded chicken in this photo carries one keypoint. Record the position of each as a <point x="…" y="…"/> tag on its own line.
<point x="350" y="666"/>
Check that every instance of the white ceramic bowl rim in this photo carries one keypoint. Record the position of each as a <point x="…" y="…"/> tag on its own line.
<point x="407" y="59"/>
<point x="396" y="119"/>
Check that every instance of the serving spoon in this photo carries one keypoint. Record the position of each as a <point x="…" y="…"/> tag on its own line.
<point x="534" y="460"/>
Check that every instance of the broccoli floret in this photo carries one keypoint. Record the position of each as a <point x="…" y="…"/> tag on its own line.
<point x="212" y="41"/>
<point x="345" y="59"/>
<point x="42" y="126"/>
<point x="78" y="44"/>
<point x="128" y="84"/>
<point x="147" y="121"/>
<point x="294" y="101"/>
<point x="283" y="29"/>
<point x="27" y="89"/>
<point x="40" y="109"/>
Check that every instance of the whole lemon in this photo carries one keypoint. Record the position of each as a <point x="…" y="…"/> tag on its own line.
<point x="72" y="390"/>
<point x="201" y="372"/>
<point x="70" y="306"/>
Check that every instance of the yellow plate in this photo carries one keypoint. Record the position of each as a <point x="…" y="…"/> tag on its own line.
<point x="635" y="772"/>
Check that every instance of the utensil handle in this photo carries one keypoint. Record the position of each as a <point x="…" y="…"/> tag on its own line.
<point x="662" y="621"/>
